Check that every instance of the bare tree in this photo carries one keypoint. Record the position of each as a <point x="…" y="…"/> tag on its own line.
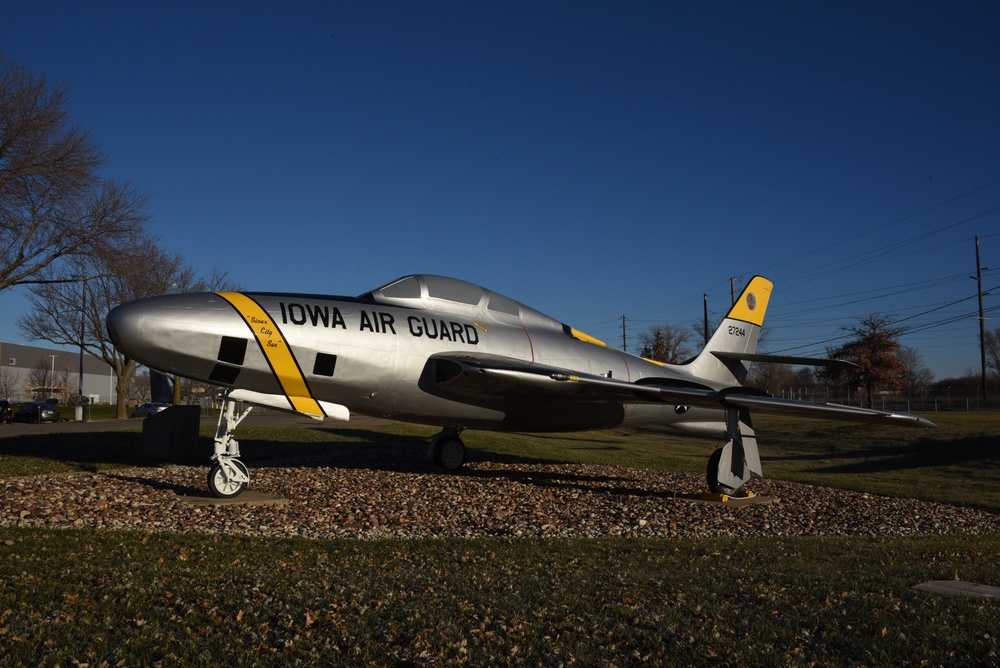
<point x="874" y="350"/>
<point x="42" y="382"/>
<point x="774" y="379"/>
<point x="8" y="383"/>
<point x="53" y="203"/>
<point x="992" y="344"/>
<point x="63" y="311"/>
<point x="138" y="391"/>
<point x="665" y="343"/>
<point x="918" y="376"/>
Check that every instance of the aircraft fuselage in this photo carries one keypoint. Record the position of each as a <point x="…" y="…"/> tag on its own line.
<point x="375" y="355"/>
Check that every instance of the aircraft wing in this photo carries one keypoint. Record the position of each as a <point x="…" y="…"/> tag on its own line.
<point x="809" y="409"/>
<point x="494" y="378"/>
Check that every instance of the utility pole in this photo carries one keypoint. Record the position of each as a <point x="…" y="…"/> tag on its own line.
<point x="624" y="339"/>
<point x="704" y="298"/>
<point x="83" y="320"/>
<point x="732" y="287"/>
<point x="982" y="320"/>
<point x="52" y="378"/>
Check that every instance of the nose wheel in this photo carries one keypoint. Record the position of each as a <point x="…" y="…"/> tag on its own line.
<point x="228" y="476"/>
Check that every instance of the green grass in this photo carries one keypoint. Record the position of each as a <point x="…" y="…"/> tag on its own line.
<point x="156" y="599"/>
<point x="958" y="463"/>
<point x="61" y="453"/>
<point x="118" y="598"/>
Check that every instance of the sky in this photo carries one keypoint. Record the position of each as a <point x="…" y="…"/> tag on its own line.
<point x="592" y="160"/>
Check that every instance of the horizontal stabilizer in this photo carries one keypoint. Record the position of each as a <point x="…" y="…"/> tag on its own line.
<point x="782" y="359"/>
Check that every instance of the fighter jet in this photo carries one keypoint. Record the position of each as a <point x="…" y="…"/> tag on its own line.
<point x="441" y="351"/>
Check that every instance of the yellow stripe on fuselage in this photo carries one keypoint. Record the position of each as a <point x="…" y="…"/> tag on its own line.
<point x="586" y="337"/>
<point x="276" y="350"/>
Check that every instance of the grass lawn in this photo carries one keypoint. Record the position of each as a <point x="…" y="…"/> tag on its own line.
<point x="119" y="598"/>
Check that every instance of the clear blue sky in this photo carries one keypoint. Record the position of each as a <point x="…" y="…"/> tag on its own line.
<point x="591" y="159"/>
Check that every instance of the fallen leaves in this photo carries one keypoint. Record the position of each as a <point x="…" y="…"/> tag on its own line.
<point x="489" y="499"/>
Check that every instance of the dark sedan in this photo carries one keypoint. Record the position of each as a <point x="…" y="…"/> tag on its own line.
<point x="6" y="412"/>
<point x="37" y="412"/>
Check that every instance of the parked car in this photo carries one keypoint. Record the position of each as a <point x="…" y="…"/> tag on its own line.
<point x="37" y="412"/>
<point x="6" y="412"/>
<point x="148" y="409"/>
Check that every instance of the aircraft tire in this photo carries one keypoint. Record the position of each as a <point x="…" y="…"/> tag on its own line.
<point x="714" y="485"/>
<point x="449" y="453"/>
<point x="220" y="487"/>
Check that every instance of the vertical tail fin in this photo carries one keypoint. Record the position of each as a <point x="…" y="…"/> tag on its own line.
<point x="736" y="335"/>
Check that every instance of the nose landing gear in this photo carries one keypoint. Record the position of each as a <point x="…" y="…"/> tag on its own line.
<point x="228" y="476"/>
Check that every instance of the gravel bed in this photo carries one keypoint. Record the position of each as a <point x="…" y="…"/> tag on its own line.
<point x="330" y="498"/>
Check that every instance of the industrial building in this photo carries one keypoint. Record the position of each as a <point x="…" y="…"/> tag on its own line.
<point x="30" y="373"/>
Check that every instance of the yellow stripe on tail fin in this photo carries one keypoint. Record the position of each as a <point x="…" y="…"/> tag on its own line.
<point x="738" y="333"/>
<point x="752" y="304"/>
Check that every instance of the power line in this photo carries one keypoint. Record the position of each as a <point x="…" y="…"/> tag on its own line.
<point x="870" y="256"/>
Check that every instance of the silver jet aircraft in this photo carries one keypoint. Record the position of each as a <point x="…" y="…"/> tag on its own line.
<point x="441" y="351"/>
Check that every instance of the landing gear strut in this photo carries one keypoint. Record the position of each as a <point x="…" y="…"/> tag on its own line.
<point x="228" y="476"/>
<point x="730" y="466"/>
<point x="447" y="450"/>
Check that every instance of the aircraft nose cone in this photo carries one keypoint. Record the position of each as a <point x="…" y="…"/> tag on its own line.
<point x="124" y="324"/>
<point x="162" y="332"/>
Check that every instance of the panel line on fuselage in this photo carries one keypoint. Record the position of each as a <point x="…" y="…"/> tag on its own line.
<point x="276" y="351"/>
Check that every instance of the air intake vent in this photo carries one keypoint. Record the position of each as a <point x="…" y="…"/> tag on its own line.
<point x="232" y="350"/>
<point x="325" y="364"/>
<point x="224" y="375"/>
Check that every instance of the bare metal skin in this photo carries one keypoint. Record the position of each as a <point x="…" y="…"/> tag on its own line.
<point x="440" y="351"/>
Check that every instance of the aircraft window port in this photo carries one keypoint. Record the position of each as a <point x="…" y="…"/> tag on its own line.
<point x="453" y="290"/>
<point x="404" y="288"/>
<point x="224" y="375"/>
<point x="502" y="304"/>
<point x="324" y="365"/>
<point x="232" y="350"/>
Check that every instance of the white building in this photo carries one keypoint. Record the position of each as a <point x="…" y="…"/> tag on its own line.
<point x="27" y="372"/>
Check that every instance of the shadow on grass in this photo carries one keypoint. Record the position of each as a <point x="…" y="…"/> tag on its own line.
<point x="354" y="448"/>
<point x="927" y="452"/>
<point x="362" y="449"/>
<point x="373" y="450"/>
<point x="83" y="450"/>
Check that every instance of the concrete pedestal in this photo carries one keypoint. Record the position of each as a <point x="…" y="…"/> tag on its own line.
<point x="171" y="436"/>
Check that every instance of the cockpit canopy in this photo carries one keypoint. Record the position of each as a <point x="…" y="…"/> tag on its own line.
<point x="424" y="291"/>
<point x="452" y="295"/>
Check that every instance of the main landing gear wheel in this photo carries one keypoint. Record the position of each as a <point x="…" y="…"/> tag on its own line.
<point x="712" y="476"/>
<point x="227" y="479"/>
<point x="447" y="450"/>
<point x="724" y="476"/>
<point x="730" y="466"/>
